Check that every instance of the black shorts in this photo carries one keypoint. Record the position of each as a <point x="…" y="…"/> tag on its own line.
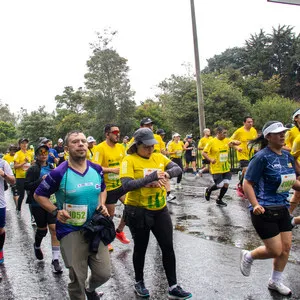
<point x="205" y="161"/>
<point x="189" y="158"/>
<point x="42" y="217"/>
<point x="244" y="163"/>
<point x="218" y="178"/>
<point x="114" y="195"/>
<point x="272" y="222"/>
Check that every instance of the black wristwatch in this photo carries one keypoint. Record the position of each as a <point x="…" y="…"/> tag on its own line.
<point x="54" y="212"/>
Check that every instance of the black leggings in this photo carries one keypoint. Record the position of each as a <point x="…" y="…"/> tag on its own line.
<point x="178" y="161"/>
<point x="21" y="191"/>
<point x="159" y="222"/>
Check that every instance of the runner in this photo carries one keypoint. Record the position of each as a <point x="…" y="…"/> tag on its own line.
<point x="91" y="147"/>
<point x="79" y="189"/>
<point x="6" y="174"/>
<point x="175" y="150"/>
<point x="22" y="160"/>
<point x="143" y="175"/>
<point x="240" y="140"/>
<point x="34" y="176"/>
<point x="268" y="179"/>
<point x="190" y="153"/>
<point x="216" y="152"/>
<point x="60" y="149"/>
<point x="201" y="145"/>
<point x="109" y="155"/>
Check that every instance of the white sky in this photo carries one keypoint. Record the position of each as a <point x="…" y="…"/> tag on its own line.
<point x="45" y="44"/>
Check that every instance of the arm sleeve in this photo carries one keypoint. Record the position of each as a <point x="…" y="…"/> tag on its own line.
<point x="173" y="169"/>
<point x="130" y="184"/>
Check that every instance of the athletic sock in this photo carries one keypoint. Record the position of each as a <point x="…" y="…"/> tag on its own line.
<point x="172" y="287"/>
<point x="212" y="188"/>
<point x="2" y="239"/>
<point x="276" y="276"/>
<point x="55" y="252"/>
<point x="249" y="257"/>
<point x="222" y="192"/>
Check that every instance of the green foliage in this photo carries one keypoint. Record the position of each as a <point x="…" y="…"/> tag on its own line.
<point x="273" y="108"/>
<point x="6" y="115"/>
<point x="7" y="131"/>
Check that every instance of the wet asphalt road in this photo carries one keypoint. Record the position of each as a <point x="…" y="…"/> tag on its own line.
<point x="207" y="240"/>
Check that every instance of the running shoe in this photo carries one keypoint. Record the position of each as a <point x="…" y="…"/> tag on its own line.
<point x="291" y="219"/>
<point x="199" y="174"/>
<point x="38" y="253"/>
<point x="240" y="191"/>
<point x="110" y="247"/>
<point x="221" y="203"/>
<point x="141" y="290"/>
<point x="1" y="257"/>
<point x="245" y="265"/>
<point x="279" y="287"/>
<point x="93" y="295"/>
<point x="177" y="186"/>
<point x="122" y="237"/>
<point x="207" y="194"/>
<point x="179" y="293"/>
<point x="171" y="197"/>
<point x="56" y="268"/>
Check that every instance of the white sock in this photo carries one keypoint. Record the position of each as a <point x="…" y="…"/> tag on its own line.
<point x="172" y="287"/>
<point x="55" y="252"/>
<point x="293" y="222"/>
<point x="276" y="276"/>
<point x="249" y="257"/>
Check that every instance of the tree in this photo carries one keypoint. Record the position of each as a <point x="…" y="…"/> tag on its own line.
<point x="107" y="82"/>
<point x="6" y="115"/>
<point x="37" y="124"/>
<point x="7" y="131"/>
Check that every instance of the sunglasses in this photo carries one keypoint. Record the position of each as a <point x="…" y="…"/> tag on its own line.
<point x="115" y="132"/>
<point x="43" y="152"/>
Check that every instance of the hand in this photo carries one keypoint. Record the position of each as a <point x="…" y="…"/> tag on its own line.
<point x="104" y="210"/>
<point x="239" y="149"/>
<point x="51" y="154"/>
<point x="63" y="216"/>
<point x="258" y="209"/>
<point x="115" y="170"/>
<point x="213" y="161"/>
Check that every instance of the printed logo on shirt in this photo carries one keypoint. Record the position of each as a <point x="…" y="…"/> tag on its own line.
<point x="85" y="184"/>
<point x="277" y="166"/>
<point x="97" y="186"/>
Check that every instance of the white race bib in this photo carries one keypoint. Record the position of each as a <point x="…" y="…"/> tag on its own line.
<point x="113" y="176"/>
<point x="223" y="157"/>
<point x="78" y="214"/>
<point x="26" y="166"/>
<point x="287" y="181"/>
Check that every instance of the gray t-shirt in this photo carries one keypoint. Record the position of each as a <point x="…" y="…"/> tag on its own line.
<point x="8" y="171"/>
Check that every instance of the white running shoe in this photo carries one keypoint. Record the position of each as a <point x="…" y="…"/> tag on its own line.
<point x="244" y="264"/>
<point x="279" y="287"/>
<point x="171" y="197"/>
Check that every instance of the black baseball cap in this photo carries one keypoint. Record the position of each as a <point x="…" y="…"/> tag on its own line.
<point x="160" y="131"/>
<point x="146" y="121"/>
<point x="23" y="140"/>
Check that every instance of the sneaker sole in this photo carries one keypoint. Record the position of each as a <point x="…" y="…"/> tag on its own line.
<point x="175" y="297"/>
<point x="140" y="295"/>
<point x="122" y="241"/>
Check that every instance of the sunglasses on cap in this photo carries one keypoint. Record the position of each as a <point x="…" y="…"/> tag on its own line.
<point x="43" y="152"/>
<point x="115" y="132"/>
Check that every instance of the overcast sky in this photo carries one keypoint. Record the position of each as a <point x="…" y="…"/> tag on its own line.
<point x="45" y="44"/>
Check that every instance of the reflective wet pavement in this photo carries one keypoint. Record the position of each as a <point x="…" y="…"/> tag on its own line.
<point x="207" y="240"/>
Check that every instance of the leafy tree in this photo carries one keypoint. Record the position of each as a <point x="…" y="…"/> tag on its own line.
<point x="36" y="124"/>
<point x="7" y="131"/>
<point x="6" y="115"/>
<point x="273" y="108"/>
<point x="108" y="86"/>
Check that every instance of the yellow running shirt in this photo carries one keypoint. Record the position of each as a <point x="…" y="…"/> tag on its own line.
<point x="295" y="151"/>
<point x="109" y="157"/>
<point x="218" y="150"/>
<point x="10" y="159"/>
<point x="90" y="153"/>
<point x="203" y="142"/>
<point x="244" y="136"/>
<point x="290" y="136"/>
<point x="19" y="158"/>
<point x="136" y="167"/>
<point x="177" y="148"/>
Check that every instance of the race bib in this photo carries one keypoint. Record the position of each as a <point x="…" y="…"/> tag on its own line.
<point x="26" y="166"/>
<point x="178" y="153"/>
<point x="61" y="154"/>
<point x="78" y="214"/>
<point x="223" y="157"/>
<point x="53" y="198"/>
<point x="193" y="152"/>
<point x="287" y="181"/>
<point x="113" y="176"/>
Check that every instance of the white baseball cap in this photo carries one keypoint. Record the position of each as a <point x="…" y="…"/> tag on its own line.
<point x="275" y="127"/>
<point x="90" y="139"/>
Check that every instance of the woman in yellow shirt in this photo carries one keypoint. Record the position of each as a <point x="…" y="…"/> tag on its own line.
<point x="144" y="175"/>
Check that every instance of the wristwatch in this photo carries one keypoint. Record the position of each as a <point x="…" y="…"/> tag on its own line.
<point x="54" y="212"/>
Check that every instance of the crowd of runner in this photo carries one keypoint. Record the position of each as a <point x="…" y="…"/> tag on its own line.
<point x="67" y="186"/>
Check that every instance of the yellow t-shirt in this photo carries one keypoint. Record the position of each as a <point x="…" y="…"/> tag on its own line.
<point x="109" y="157"/>
<point x="158" y="148"/>
<point x="150" y="197"/>
<point x="10" y="159"/>
<point x="177" y="147"/>
<point x="203" y="142"/>
<point x="244" y="136"/>
<point x="20" y="158"/>
<point x="31" y="151"/>
<point x="290" y="136"/>
<point x="218" y="150"/>
<point x="90" y="153"/>
<point x="295" y="149"/>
